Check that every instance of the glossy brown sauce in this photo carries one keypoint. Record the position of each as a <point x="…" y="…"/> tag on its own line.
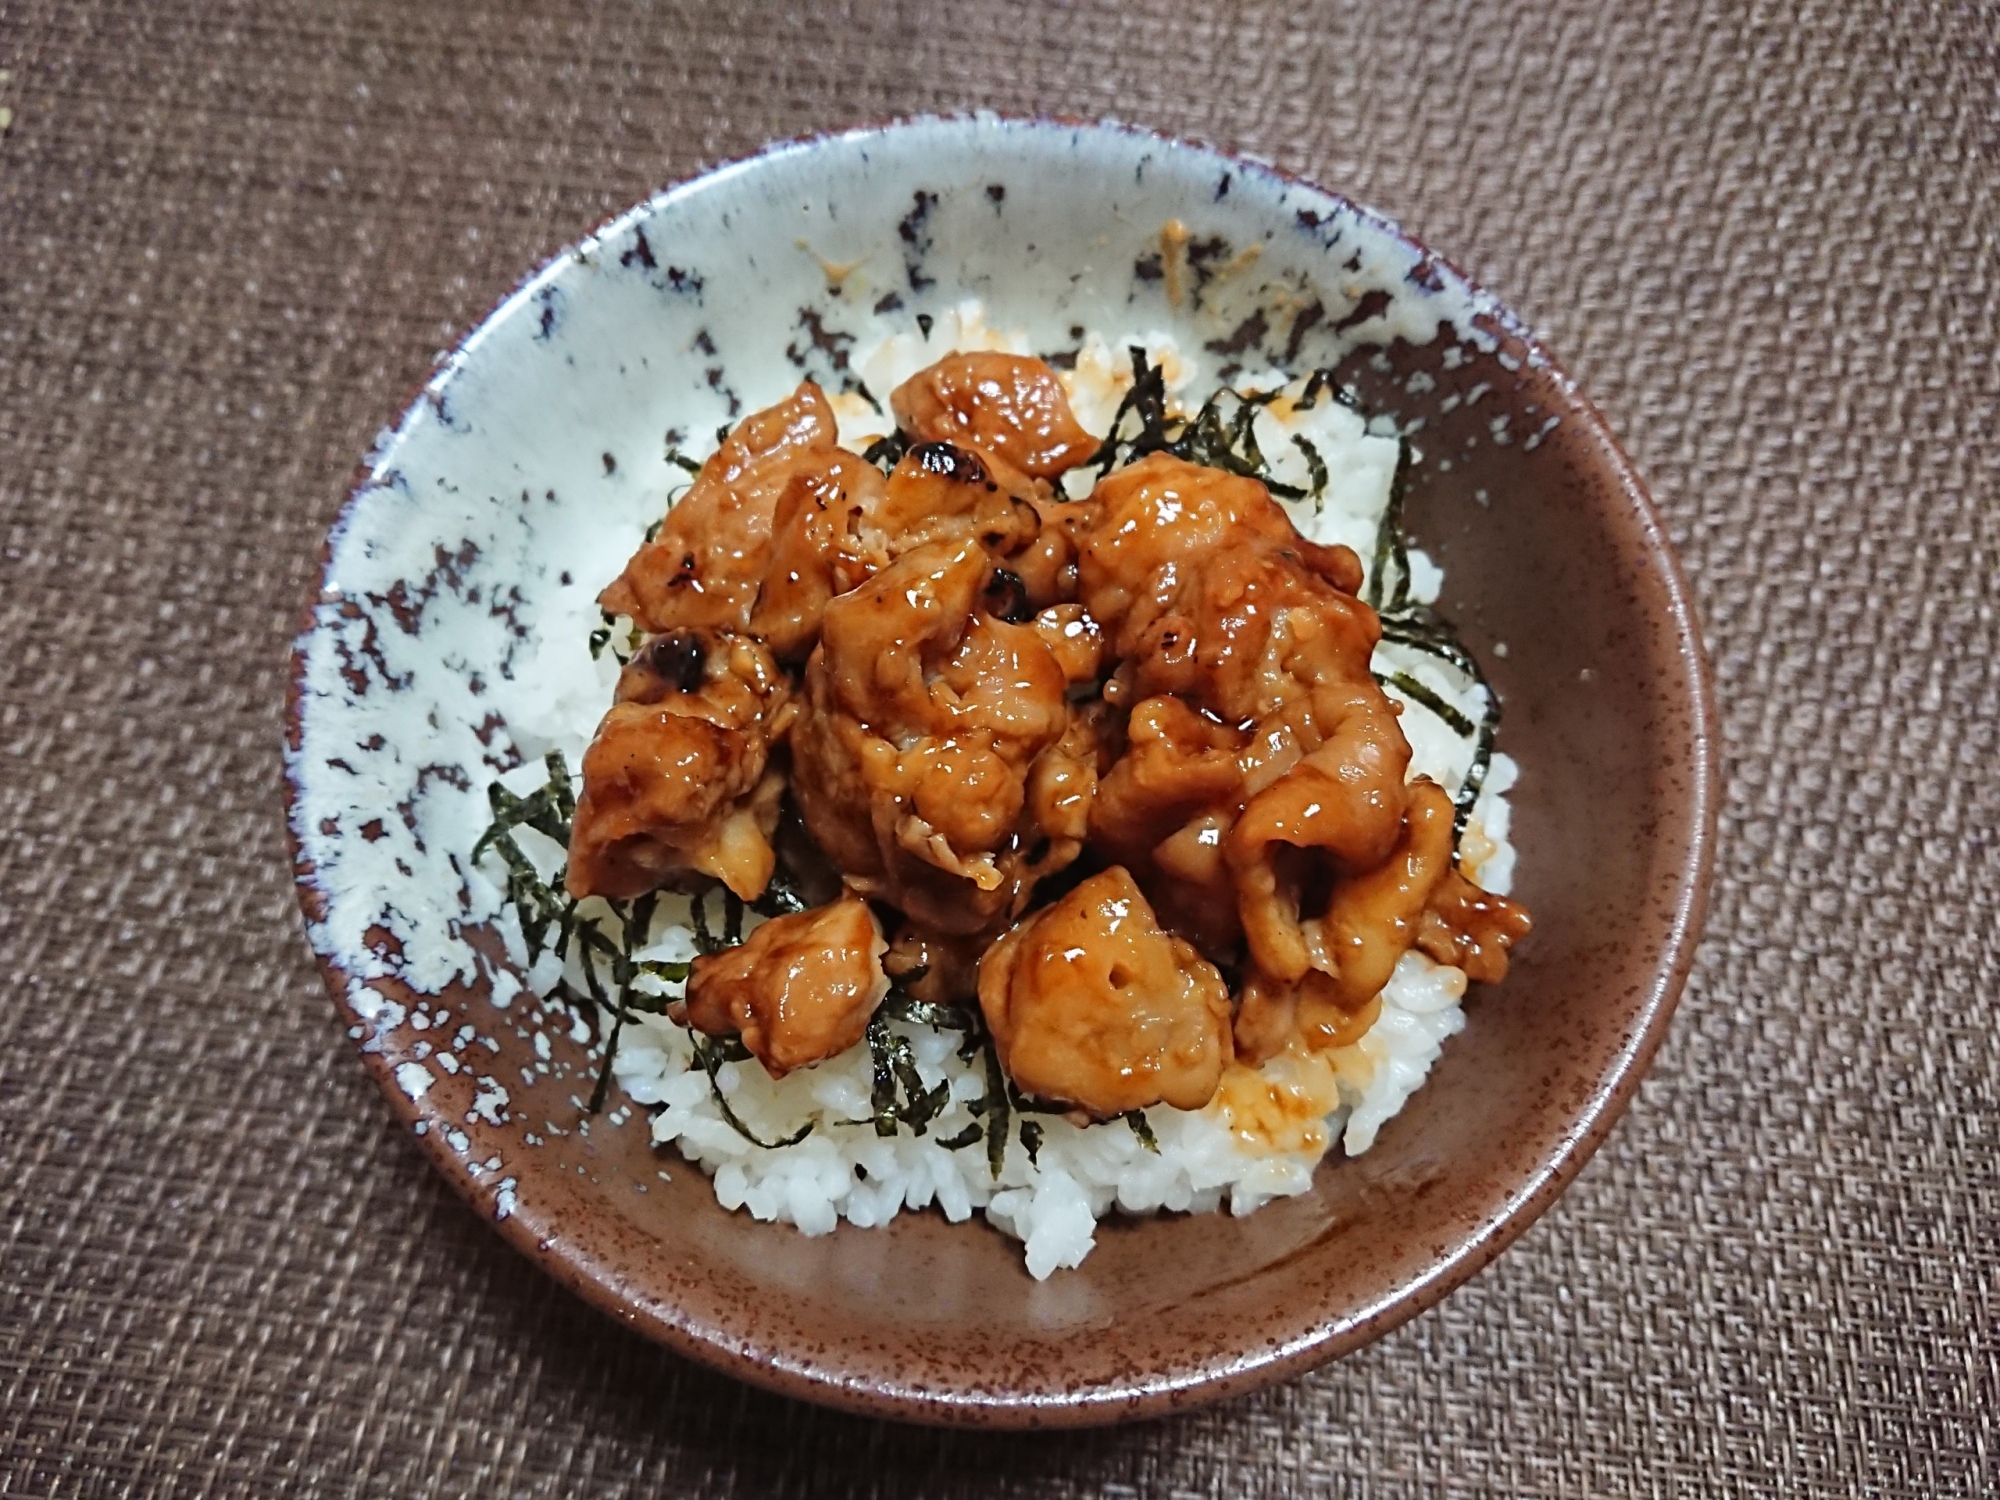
<point x="1117" y="769"/>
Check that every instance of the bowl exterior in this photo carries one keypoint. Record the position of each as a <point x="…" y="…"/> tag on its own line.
<point x="716" y="296"/>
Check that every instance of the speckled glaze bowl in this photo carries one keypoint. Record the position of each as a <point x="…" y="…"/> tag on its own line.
<point x="714" y="297"/>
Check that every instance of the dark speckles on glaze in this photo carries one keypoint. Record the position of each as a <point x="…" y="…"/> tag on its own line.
<point x="914" y="231"/>
<point x="717" y="382"/>
<point x="439" y="399"/>
<point x="1307" y="318"/>
<point x="1553" y="550"/>
<point x="548" y="312"/>
<point x="821" y="352"/>
<point x="639" y="253"/>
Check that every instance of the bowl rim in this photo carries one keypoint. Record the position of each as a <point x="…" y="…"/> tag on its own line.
<point x="601" y="1286"/>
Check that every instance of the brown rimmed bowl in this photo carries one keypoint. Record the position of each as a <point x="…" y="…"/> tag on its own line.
<point x="715" y="296"/>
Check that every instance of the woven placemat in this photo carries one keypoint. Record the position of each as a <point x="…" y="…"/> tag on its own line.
<point x="1766" y="238"/>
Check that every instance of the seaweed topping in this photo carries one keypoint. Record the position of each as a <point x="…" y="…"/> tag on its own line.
<point x="1221" y="435"/>
<point x="544" y="909"/>
<point x="899" y="1096"/>
<point x="1405" y="622"/>
<point x="1031" y="1141"/>
<point x="1142" y="1128"/>
<point x="992" y="1108"/>
<point x="712" y="1053"/>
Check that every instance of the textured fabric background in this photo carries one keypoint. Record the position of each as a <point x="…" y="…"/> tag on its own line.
<point x="1764" y="235"/>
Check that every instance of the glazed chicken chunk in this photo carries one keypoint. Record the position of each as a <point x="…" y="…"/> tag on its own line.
<point x="707" y="564"/>
<point x="1471" y="929"/>
<point x="798" y="990"/>
<point x="1009" y="407"/>
<point x="1264" y="751"/>
<point x="924" y="719"/>
<point x="1369" y="922"/>
<point x="1090" y="1002"/>
<point x="679" y="774"/>
<point x="838" y="523"/>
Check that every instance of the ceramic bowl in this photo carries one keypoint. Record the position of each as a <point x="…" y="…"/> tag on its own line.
<point x="713" y="298"/>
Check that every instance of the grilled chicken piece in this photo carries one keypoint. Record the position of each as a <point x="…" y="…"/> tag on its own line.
<point x="1471" y="928"/>
<point x="924" y="718"/>
<point x="678" y="776"/>
<point x="1163" y="519"/>
<point x="1091" y="1003"/>
<point x="824" y="541"/>
<point x="939" y="492"/>
<point x="798" y="990"/>
<point x="1243" y="649"/>
<point x="838" y="523"/>
<point x="1010" y="407"/>
<point x="1370" y="921"/>
<point x="709" y="560"/>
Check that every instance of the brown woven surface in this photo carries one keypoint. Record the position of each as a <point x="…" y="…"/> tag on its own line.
<point x="1765" y="237"/>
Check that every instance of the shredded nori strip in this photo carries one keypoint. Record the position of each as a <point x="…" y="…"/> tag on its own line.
<point x="680" y="461"/>
<point x="1030" y="1104"/>
<point x="882" y="1099"/>
<point x="1475" y="774"/>
<point x="902" y="1007"/>
<point x="636" y="921"/>
<point x="704" y="940"/>
<point x="781" y="897"/>
<point x="1031" y="1141"/>
<point x="1390" y="545"/>
<point x="1432" y="637"/>
<point x="601" y="637"/>
<point x="899" y="1096"/>
<point x="1147" y="400"/>
<point x="1405" y="622"/>
<point x="547" y="810"/>
<point x="1404" y="683"/>
<point x="992" y="1107"/>
<point x="1219" y="441"/>
<point x="1142" y="1128"/>
<point x="1322" y="381"/>
<point x="710" y="1058"/>
<point x="1316" y="467"/>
